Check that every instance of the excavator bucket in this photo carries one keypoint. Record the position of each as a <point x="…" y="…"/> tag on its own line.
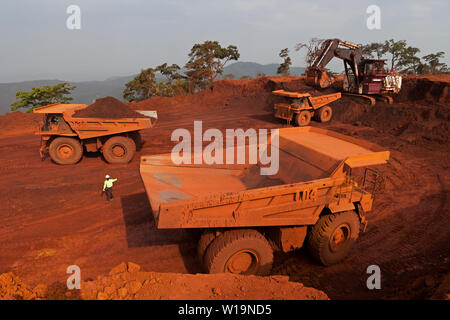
<point x="318" y="78"/>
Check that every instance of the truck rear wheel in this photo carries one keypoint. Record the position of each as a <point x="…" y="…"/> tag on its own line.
<point x="242" y="251"/>
<point x="333" y="236"/>
<point x="324" y="114"/>
<point x="119" y="149"/>
<point x="65" y="150"/>
<point x="303" y="118"/>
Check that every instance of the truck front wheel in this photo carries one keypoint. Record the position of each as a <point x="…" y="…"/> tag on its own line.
<point x="242" y="251"/>
<point x="303" y="118"/>
<point x="119" y="149"/>
<point x="64" y="150"/>
<point x="333" y="236"/>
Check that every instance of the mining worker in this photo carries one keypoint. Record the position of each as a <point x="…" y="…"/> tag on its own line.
<point x="107" y="187"/>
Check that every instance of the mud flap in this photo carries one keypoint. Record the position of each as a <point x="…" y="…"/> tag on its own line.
<point x="43" y="151"/>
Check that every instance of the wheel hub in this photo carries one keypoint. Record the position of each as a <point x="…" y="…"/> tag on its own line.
<point x="118" y="151"/>
<point x="339" y="237"/>
<point x="65" y="151"/>
<point x="242" y="262"/>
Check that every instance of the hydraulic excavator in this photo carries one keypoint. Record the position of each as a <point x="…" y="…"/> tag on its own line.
<point x="365" y="78"/>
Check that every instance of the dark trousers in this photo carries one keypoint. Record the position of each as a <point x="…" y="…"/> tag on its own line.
<point x="109" y="195"/>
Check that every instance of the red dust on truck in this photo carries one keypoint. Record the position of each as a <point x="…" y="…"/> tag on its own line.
<point x="314" y="199"/>
<point x="64" y="135"/>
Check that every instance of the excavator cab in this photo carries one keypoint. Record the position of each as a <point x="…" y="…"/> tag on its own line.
<point x="374" y="67"/>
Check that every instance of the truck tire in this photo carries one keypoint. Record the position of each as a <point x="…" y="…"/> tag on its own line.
<point x="65" y="150"/>
<point x="324" y="114"/>
<point x="333" y="236"/>
<point x="242" y="251"/>
<point x="205" y="240"/>
<point x="119" y="149"/>
<point x="303" y="118"/>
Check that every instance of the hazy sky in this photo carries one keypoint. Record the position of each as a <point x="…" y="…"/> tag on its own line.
<point x="120" y="37"/>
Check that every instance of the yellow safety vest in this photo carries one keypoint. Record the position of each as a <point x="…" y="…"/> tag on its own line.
<point x="108" y="183"/>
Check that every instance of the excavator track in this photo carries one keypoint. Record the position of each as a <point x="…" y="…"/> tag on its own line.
<point x="387" y="99"/>
<point x="372" y="100"/>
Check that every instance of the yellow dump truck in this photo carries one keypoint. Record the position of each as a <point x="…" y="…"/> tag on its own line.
<point x="302" y="107"/>
<point x="315" y="198"/>
<point x="63" y="136"/>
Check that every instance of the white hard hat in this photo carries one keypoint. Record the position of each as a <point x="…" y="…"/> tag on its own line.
<point x="107" y="176"/>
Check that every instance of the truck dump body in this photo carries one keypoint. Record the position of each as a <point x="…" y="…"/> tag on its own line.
<point x="315" y="102"/>
<point x="312" y="164"/>
<point x="86" y="128"/>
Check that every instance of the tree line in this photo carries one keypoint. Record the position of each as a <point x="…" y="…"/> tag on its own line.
<point x="402" y="57"/>
<point x="206" y="62"/>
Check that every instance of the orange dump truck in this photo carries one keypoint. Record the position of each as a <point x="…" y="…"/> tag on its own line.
<point x="301" y="107"/>
<point x="64" y="136"/>
<point x="316" y="198"/>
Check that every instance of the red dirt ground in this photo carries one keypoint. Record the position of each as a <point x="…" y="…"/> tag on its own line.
<point x="53" y="216"/>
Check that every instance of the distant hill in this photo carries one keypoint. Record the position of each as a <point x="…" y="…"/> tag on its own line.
<point x="88" y="91"/>
<point x="239" y="69"/>
<point x="85" y="92"/>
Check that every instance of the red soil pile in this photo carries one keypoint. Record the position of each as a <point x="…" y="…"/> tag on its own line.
<point x="413" y="122"/>
<point x="12" y="288"/>
<point x="127" y="282"/>
<point x="108" y="107"/>
<point x="14" y="122"/>
<point x="432" y="88"/>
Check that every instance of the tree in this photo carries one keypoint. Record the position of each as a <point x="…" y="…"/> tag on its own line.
<point x="409" y="60"/>
<point x="396" y="49"/>
<point x="39" y="97"/>
<point x="145" y="85"/>
<point x="170" y="72"/>
<point x="142" y="87"/>
<point x="374" y="50"/>
<point x="206" y="62"/>
<point x="434" y="65"/>
<point x="176" y="84"/>
<point x="313" y="49"/>
<point x="284" y="67"/>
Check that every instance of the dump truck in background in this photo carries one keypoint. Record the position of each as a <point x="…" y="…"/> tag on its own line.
<point x="64" y="136"/>
<point x="316" y="197"/>
<point x="301" y="107"/>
